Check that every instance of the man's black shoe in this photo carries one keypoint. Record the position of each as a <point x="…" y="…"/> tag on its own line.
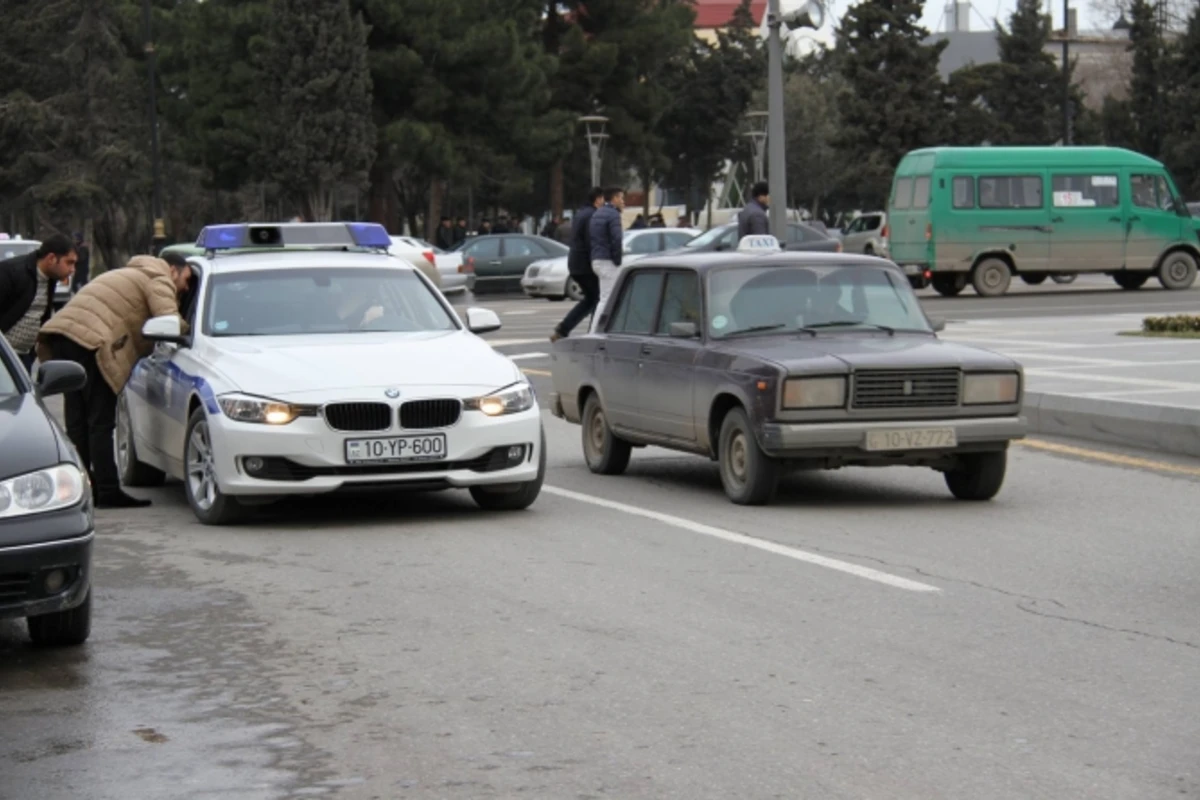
<point x="119" y="499"/>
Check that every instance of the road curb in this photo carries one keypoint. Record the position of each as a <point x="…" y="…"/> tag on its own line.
<point x="1166" y="429"/>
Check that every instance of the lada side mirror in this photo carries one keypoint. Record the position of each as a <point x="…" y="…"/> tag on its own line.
<point x="938" y="324"/>
<point x="684" y="330"/>
<point x="60" y="377"/>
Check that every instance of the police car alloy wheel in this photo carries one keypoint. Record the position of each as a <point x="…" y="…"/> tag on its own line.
<point x="204" y="495"/>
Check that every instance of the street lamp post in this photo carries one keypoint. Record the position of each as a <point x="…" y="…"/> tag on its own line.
<point x="160" y="233"/>
<point x="758" y="139"/>
<point x="811" y="15"/>
<point x="594" y="129"/>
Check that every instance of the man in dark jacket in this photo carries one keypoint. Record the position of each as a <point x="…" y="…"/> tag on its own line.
<point x="460" y="231"/>
<point x="752" y="220"/>
<point x="607" y="245"/>
<point x="444" y="237"/>
<point x="27" y="292"/>
<point x="579" y="264"/>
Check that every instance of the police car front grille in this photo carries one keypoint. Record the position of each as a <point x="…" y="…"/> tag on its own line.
<point x="359" y="416"/>
<point x="422" y="414"/>
<point x="930" y="388"/>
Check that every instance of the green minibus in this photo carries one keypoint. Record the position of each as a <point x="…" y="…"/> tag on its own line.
<point x="981" y="215"/>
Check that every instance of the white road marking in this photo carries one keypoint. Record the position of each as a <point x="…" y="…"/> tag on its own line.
<point x="510" y="342"/>
<point x="526" y="356"/>
<point x="517" y="313"/>
<point x="1078" y="376"/>
<point x="856" y="570"/>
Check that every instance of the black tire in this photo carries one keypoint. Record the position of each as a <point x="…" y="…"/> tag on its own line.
<point x="605" y="453"/>
<point x="68" y="628"/>
<point x="991" y="277"/>
<point x="209" y="505"/>
<point x="1177" y="271"/>
<point x="1064" y="277"/>
<point x="949" y="285"/>
<point x="1035" y="278"/>
<point x="513" y="496"/>
<point x="133" y="472"/>
<point x="749" y="475"/>
<point x="573" y="291"/>
<point x="1131" y="280"/>
<point x="868" y="250"/>
<point x="978" y="476"/>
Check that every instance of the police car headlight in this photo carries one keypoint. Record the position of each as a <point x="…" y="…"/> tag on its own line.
<point x="806" y="393"/>
<point x="38" y="492"/>
<point x="991" y="389"/>
<point x="262" y="411"/>
<point x="509" y="400"/>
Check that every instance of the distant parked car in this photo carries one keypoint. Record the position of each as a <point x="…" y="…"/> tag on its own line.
<point x="449" y="265"/>
<point x="419" y="255"/>
<point x="497" y="262"/>
<point x="549" y="277"/>
<point x="801" y="237"/>
<point x="867" y="235"/>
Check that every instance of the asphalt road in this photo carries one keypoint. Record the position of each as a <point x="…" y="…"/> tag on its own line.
<point x="638" y="637"/>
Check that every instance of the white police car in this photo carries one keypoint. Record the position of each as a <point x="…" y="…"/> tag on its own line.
<point x="315" y="362"/>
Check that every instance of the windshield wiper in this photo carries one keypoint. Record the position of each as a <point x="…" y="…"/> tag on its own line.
<point x="755" y="329"/>
<point x="846" y="323"/>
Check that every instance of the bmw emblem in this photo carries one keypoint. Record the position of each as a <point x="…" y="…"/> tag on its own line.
<point x="392" y="393"/>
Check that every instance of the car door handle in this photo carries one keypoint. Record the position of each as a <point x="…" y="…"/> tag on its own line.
<point x="495" y="263"/>
<point x="1057" y="219"/>
<point x="1135" y="219"/>
<point x="600" y="348"/>
<point x="646" y="350"/>
<point x="1114" y="219"/>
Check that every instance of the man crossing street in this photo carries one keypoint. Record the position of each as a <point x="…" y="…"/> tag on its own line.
<point x="579" y="265"/>
<point x="607" y="245"/>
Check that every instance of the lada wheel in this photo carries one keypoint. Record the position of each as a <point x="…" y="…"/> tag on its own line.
<point x="991" y="277"/>
<point x="1131" y="280"/>
<point x="1178" y="271"/>
<point x="63" y="628"/>
<point x="604" y="452"/>
<point x="749" y="475"/>
<point x="515" y="496"/>
<point x="978" y="476"/>
<point x="133" y="472"/>
<point x="200" y="480"/>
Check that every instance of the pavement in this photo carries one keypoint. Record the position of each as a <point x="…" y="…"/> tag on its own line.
<point x="639" y="637"/>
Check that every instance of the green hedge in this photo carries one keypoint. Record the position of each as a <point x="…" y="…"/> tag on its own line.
<point x="1176" y="323"/>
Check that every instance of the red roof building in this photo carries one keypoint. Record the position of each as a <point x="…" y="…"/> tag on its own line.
<point x="712" y="14"/>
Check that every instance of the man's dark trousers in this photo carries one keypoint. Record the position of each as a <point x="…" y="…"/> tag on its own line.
<point x="91" y="417"/>
<point x="589" y="284"/>
<point x="27" y="360"/>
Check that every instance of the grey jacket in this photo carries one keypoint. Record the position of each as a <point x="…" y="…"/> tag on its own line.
<point x="752" y="220"/>
<point x="606" y="234"/>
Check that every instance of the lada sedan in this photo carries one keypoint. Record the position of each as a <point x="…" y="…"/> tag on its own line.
<point x="796" y="360"/>
<point x="321" y="364"/>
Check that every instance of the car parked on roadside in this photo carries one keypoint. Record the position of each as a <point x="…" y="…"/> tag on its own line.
<point x="802" y="237"/>
<point x="46" y="512"/>
<point x="867" y="234"/>
<point x="452" y="278"/>
<point x="550" y="278"/>
<point x="322" y="364"/>
<point x="771" y="362"/>
<point x="497" y="262"/>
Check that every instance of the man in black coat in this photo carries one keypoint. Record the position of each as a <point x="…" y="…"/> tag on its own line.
<point x="753" y="220"/>
<point x="27" y="292"/>
<point x="579" y="264"/>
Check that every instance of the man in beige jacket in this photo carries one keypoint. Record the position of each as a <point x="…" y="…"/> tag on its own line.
<point x="101" y="330"/>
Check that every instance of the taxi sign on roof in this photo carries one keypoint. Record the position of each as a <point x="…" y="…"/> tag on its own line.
<point x="759" y="243"/>
<point x="316" y="234"/>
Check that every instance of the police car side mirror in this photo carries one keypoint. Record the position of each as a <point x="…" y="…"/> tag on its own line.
<point x="482" y="320"/>
<point x="164" y="329"/>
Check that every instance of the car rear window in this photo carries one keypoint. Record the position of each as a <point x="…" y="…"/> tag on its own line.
<point x="921" y="192"/>
<point x="902" y="195"/>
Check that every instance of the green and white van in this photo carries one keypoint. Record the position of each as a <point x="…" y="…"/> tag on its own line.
<point x="981" y="215"/>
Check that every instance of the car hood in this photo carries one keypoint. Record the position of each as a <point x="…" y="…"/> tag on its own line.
<point x="291" y="367"/>
<point x="843" y="352"/>
<point x="27" y="441"/>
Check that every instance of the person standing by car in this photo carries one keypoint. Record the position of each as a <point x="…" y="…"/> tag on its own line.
<point x="445" y="235"/>
<point x="607" y="245"/>
<point x="27" y="292"/>
<point x="579" y="265"/>
<point x="101" y="330"/>
<point x="460" y="231"/>
<point x="752" y="220"/>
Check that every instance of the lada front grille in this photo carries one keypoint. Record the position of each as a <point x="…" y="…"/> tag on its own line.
<point x="359" y="416"/>
<point x="424" y="414"/>
<point x="902" y="388"/>
<point x="15" y="586"/>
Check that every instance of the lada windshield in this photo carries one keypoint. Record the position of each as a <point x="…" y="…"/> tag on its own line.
<point x="294" y="302"/>
<point x="810" y="298"/>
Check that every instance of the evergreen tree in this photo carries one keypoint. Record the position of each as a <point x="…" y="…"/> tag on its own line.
<point x="317" y="131"/>
<point x="1182" y="143"/>
<point x="1146" y="84"/>
<point x="1026" y="98"/>
<point x="894" y="99"/>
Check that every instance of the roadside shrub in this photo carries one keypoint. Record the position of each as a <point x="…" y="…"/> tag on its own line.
<point x="1176" y="323"/>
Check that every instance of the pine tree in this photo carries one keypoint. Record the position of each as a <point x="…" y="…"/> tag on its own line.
<point x="894" y="101"/>
<point x="1146" y="84"/>
<point x="1028" y="91"/>
<point x="316" y="98"/>
<point x="1182" y="143"/>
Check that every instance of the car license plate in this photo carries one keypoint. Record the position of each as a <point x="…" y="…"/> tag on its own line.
<point x="912" y="269"/>
<point x="394" y="449"/>
<point x="911" y="439"/>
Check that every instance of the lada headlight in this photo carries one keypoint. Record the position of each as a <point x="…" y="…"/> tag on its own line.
<point x="805" y="393"/>
<point x="38" y="492"/>
<point x="263" y="411"/>
<point x="510" y="400"/>
<point x="994" y="388"/>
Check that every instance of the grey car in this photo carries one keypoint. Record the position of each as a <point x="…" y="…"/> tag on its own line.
<point x="770" y="362"/>
<point x="801" y="238"/>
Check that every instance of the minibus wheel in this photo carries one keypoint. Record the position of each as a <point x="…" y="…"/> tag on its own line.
<point x="1177" y="271"/>
<point x="991" y="277"/>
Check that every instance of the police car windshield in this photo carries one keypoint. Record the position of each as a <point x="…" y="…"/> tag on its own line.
<point x="322" y="300"/>
<point x="782" y="299"/>
<point x="8" y="383"/>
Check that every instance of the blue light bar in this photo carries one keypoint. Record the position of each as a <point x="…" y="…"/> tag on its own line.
<point x="316" y="234"/>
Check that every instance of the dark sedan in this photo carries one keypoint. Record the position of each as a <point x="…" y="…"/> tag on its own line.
<point x="497" y="262"/>
<point x="764" y="362"/>
<point x="46" y="525"/>
<point x="801" y="238"/>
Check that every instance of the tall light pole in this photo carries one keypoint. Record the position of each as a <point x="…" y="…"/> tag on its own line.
<point x="594" y="128"/>
<point x="1066" y="72"/>
<point x="811" y="15"/>
<point x="758" y="139"/>
<point x="160" y="233"/>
